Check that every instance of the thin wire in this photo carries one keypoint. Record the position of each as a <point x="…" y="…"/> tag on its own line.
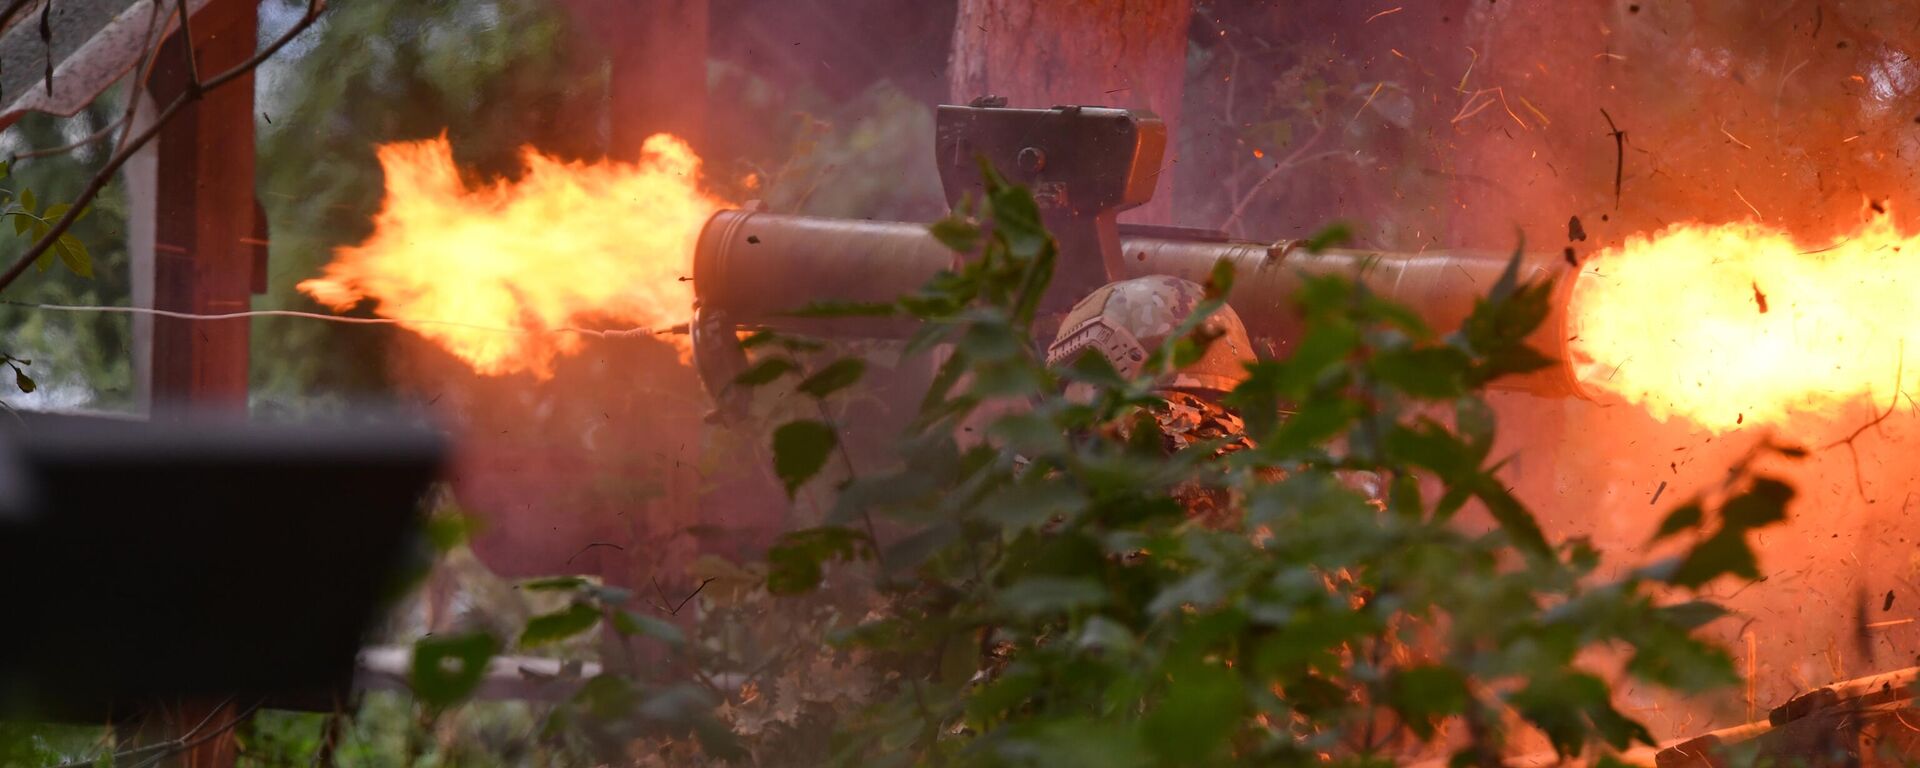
<point x="597" y="333"/>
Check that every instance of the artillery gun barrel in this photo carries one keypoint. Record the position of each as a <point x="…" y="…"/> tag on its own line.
<point x="755" y="268"/>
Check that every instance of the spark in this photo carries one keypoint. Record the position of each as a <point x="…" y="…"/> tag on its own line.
<point x="1733" y="138"/>
<point x="1750" y="207"/>
<point x="1536" y="112"/>
<point x="1387" y="12"/>
<point x="1363" y="105"/>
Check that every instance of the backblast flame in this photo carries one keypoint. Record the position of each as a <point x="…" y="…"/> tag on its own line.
<point x="1735" y="325"/>
<point x="565" y="245"/>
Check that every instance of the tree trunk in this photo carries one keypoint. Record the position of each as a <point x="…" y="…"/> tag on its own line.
<point x="1039" y="53"/>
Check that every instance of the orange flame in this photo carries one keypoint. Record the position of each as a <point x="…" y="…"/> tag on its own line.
<point x="1728" y="325"/>
<point x="568" y="243"/>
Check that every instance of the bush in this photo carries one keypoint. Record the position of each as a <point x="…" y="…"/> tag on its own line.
<point x="1023" y="586"/>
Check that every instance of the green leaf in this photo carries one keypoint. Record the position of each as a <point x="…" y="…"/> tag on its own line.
<point x="793" y="564"/>
<point x="1685" y="518"/>
<point x="1725" y="552"/>
<point x="1032" y="504"/>
<point x="1102" y="634"/>
<point x="1670" y="658"/>
<point x="1509" y="278"/>
<point x="765" y="371"/>
<point x="800" y="450"/>
<point x="449" y="529"/>
<point x="1434" y="373"/>
<point x="607" y="697"/>
<point x="559" y="625"/>
<point x="1077" y="741"/>
<point x="1569" y="707"/>
<point x="1311" y="426"/>
<point x="628" y="623"/>
<point x="21" y="222"/>
<point x="1475" y="421"/>
<point x="1033" y="284"/>
<point x="1203" y="706"/>
<point x="73" y="253"/>
<point x="1514" y="518"/>
<point x="1425" y="693"/>
<point x="838" y="375"/>
<point x="1431" y="446"/>
<point x="913" y="550"/>
<point x="27" y="201"/>
<point x="1219" y="281"/>
<point x="1335" y="234"/>
<point x="448" y="668"/>
<point x="1046" y="595"/>
<point x="23" y="381"/>
<point x="1016" y="218"/>
<point x="956" y="233"/>
<point x="1006" y="692"/>
<point x="1761" y="505"/>
<point x="1692" y="614"/>
<point x="554" y="584"/>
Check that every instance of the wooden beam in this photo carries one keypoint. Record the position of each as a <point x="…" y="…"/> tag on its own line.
<point x="204" y="220"/>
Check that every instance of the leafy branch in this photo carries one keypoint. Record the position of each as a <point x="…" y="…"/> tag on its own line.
<point x="131" y="143"/>
<point x="1054" y="598"/>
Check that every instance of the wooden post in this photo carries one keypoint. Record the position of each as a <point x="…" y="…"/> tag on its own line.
<point x="204" y="219"/>
<point x="203" y="235"/>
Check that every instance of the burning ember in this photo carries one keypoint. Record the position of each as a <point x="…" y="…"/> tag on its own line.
<point x="1736" y="324"/>
<point x="498" y="273"/>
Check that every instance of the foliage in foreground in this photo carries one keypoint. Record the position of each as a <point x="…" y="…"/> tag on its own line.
<point x="1023" y="588"/>
<point x="1051" y="603"/>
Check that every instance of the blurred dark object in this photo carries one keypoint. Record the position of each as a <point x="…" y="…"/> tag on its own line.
<point x="202" y="557"/>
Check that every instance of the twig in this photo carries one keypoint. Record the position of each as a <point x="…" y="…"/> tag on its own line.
<point x="184" y="743"/>
<point x="1750" y="206"/>
<point x="1291" y="160"/>
<point x="128" y="148"/>
<point x="186" y="39"/>
<point x="13" y="9"/>
<point x="330" y="729"/>
<point x="591" y="546"/>
<point x="1363" y="105"/>
<point x="104" y="132"/>
<point x="1619" y="156"/>
<point x="1899" y="371"/>
<point x="153" y="754"/>
<point x="46" y="42"/>
<point x="689" y="598"/>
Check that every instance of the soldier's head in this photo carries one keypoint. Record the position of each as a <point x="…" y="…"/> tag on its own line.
<point x="1126" y="321"/>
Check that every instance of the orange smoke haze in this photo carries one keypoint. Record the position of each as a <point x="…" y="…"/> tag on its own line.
<point x="1741" y="325"/>
<point x="500" y="271"/>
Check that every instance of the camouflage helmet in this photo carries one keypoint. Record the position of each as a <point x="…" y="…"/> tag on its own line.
<point x="1126" y="320"/>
